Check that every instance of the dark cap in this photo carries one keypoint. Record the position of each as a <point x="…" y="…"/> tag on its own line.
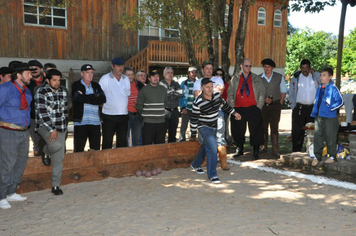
<point x="305" y="62"/>
<point x="205" y="63"/>
<point x="86" y="67"/>
<point x="153" y="72"/>
<point x="268" y="61"/>
<point x="21" y="67"/>
<point x="206" y="81"/>
<point x="5" y="70"/>
<point x="118" y="61"/>
<point x="35" y="63"/>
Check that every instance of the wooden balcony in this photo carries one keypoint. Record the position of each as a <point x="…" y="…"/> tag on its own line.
<point x="163" y="53"/>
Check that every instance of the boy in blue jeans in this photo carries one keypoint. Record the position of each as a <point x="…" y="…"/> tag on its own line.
<point x="327" y="101"/>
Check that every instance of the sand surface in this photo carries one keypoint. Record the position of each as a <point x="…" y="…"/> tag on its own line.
<point x="181" y="202"/>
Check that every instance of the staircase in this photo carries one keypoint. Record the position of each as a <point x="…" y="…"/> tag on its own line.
<point x="163" y="53"/>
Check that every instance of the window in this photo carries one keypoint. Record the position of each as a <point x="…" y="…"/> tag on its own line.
<point x="38" y="15"/>
<point x="278" y="18"/>
<point x="261" y="20"/>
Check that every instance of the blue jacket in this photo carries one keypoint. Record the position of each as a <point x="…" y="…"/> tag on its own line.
<point x="332" y="101"/>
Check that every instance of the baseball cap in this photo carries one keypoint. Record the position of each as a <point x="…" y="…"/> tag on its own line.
<point x="192" y="68"/>
<point x="118" y="61"/>
<point x="86" y="67"/>
<point x="153" y="72"/>
<point x="206" y="81"/>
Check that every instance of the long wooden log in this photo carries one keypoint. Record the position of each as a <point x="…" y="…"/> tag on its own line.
<point x="120" y="162"/>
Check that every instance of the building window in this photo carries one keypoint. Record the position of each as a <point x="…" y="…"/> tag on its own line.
<point x="39" y="15"/>
<point x="278" y="18"/>
<point x="261" y="20"/>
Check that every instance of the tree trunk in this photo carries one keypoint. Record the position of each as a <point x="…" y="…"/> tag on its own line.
<point x="225" y="39"/>
<point x="240" y="35"/>
<point x="206" y="16"/>
<point x="187" y="40"/>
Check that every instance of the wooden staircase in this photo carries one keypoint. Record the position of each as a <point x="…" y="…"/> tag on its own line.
<point x="163" y="53"/>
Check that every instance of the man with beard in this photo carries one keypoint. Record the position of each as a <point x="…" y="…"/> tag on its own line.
<point x="51" y="124"/>
<point x="37" y="79"/>
<point x="14" y="136"/>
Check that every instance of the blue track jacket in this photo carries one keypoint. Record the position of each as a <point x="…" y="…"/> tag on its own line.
<point x="332" y="101"/>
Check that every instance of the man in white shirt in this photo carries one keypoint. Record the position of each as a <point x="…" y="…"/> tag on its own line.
<point x="302" y="92"/>
<point x="117" y="89"/>
<point x="271" y="111"/>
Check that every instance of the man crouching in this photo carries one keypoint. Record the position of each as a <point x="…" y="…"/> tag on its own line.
<point x="204" y="118"/>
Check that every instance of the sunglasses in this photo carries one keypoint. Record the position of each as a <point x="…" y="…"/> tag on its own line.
<point x="219" y="74"/>
<point x="247" y="65"/>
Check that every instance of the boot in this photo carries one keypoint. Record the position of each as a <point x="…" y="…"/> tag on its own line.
<point x="256" y="150"/>
<point x="265" y="143"/>
<point x="223" y="157"/>
<point x="274" y="139"/>
<point x="239" y="151"/>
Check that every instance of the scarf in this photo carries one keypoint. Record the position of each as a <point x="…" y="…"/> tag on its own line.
<point x="24" y="103"/>
<point x="245" y="84"/>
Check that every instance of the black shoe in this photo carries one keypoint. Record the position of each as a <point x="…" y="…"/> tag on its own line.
<point x="256" y="150"/>
<point x="45" y="159"/>
<point x="239" y="151"/>
<point x="56" y="190"/>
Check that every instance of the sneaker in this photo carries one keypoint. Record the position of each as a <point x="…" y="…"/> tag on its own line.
<point x="15" y="198"/>
<point x="56" y="190"/>
<point x="315" y="162"/>
<point x="4" y="204"/>
<point x="329" y="161"/>
<point x="215" y="180"/>
<point x="199" y="170"/>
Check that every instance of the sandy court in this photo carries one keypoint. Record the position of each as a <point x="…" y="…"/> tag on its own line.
<point x="181" y="202"/>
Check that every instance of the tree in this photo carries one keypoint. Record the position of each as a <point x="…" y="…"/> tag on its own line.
<point x="319" y="47"/>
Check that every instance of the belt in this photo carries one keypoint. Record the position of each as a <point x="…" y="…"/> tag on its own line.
<point x="133" y="113"/>
<point x="11" y="126"/>
<point x="171" y="109"/>
<point x="274" y="102"/>
<point x="304" y="105"/>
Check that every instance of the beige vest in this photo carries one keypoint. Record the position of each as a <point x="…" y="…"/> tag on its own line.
<point x="273" y="87"/>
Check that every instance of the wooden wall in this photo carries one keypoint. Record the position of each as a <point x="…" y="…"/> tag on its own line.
<point x="262" y="41"/>
<point x="92" y="33"/>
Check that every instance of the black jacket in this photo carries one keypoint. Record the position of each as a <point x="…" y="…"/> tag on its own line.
<point x="97" y="98"/>
<point x="32" y="87"/>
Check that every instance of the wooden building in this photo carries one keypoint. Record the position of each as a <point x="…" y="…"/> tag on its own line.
<point x="89" y="32"/>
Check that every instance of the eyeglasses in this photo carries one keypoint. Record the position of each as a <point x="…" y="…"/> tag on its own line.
<point x="247" y="65"/>
<point x="219" y="74"/>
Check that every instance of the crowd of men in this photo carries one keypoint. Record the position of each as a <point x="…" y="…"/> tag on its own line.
<point x="139" y="109"/>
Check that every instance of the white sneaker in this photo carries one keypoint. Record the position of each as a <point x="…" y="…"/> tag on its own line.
<point x="4" y="204"/>
<point x="15" y="198"/>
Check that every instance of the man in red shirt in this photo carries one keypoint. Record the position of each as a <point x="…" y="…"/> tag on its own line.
<point x="247" y="93"/>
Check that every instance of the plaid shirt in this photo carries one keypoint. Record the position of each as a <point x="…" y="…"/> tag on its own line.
<point x="174" y="92"/>
<point x="51" y="108"/>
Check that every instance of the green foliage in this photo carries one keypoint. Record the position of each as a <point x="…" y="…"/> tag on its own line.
<point x="348" y="66"/>
<point x="318" y="47"/>
<point x="309" y="5"/>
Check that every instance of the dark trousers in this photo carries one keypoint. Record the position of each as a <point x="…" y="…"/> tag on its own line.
<point x="325" y="129"/>
<point x="271" y="115"/>
<point x="172" y="120"/>
<point x="253" y="116"/>
<point x="14" y="147"/>
<point x="153" y="133"/>
<point x="82" y="133"/>
<point x="115" y="124"/>
<point x="300" y="116"/>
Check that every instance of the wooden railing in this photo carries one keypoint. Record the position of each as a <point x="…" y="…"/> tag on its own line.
<point x="164" y="53"/>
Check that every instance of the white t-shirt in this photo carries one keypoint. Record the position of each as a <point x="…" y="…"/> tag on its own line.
<point x="215" y="79"/>
<point x="117" y="94"/>
<point x="306" y="90"/>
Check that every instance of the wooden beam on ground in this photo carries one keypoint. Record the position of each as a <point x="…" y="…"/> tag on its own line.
<point x="98" y="165"/>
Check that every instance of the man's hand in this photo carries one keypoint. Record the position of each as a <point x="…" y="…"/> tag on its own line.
<point x="184" y="111"/>
<point x="53" y="136"/>
<point x="268" y="100"/>
<point x="192" y="138"/>
<point x="237" y="116"/>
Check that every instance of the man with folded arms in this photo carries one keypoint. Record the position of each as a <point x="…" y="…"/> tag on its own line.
<point x="15" y="120"/>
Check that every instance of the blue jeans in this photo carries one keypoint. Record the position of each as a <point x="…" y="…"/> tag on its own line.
<point x="208" y="148"/>
<point x="135" y="127"/>
<point x="220" y="135"/>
